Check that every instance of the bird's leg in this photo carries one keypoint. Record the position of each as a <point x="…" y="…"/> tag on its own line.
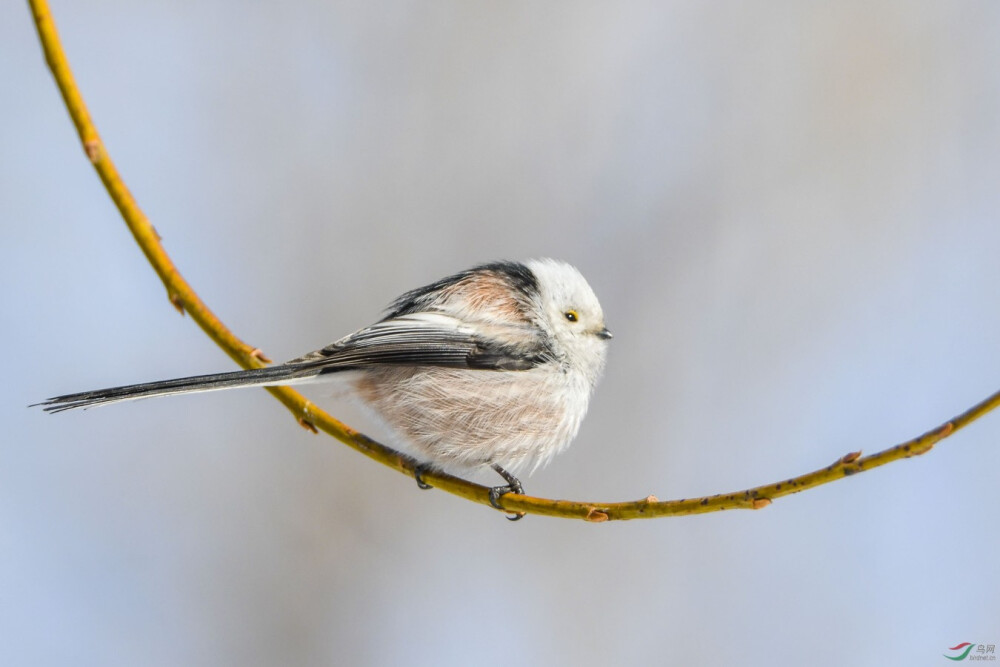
<point x="418" y="472"/>
<point x="513" y="486"/>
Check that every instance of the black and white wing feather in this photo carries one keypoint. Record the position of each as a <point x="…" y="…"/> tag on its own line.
<point x="434" y="339"/>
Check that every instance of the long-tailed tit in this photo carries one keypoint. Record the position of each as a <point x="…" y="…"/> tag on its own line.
<point x="493" y="366"/>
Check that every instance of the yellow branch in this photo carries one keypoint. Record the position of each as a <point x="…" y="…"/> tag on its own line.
<point x="185" y="299"/>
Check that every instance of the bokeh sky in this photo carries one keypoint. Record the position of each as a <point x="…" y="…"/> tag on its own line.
<point x="790" y="211"/>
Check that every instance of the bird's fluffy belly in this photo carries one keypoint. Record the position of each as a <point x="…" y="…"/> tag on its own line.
<point x="466" y="418"/>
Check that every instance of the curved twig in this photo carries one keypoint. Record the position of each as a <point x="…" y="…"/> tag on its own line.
<point x="185" y="299"/>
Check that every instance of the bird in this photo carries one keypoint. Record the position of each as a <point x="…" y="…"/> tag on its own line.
<point x="493" y="366"/>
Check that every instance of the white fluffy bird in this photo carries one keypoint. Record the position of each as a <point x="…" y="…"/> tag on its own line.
<point x="493" y="366"/>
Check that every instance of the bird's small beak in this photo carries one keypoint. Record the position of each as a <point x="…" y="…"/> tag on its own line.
<point x="605" y="334"/>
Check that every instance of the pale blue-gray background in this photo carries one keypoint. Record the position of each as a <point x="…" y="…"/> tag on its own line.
<point x="791" y="212"/>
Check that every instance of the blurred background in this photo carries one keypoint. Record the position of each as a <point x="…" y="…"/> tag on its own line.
<point x="789" y="211"/>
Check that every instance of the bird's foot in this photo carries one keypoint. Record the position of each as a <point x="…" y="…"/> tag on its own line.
<point x="418" y="474"/>
<point x="513" y="485"/>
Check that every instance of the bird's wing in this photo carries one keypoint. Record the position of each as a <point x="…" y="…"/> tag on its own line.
<point x="432" y="339"/>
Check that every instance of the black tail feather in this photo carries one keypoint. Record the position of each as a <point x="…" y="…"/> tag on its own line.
<point x="258" y="377"/>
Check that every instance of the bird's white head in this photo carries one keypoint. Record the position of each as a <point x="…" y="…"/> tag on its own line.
<point x="573" y="316"/>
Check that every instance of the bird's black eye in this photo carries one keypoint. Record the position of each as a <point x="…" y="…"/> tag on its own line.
<point x="571" y="315"/>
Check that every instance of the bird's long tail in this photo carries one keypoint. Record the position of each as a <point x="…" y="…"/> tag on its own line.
<point x="257" y="377"/>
